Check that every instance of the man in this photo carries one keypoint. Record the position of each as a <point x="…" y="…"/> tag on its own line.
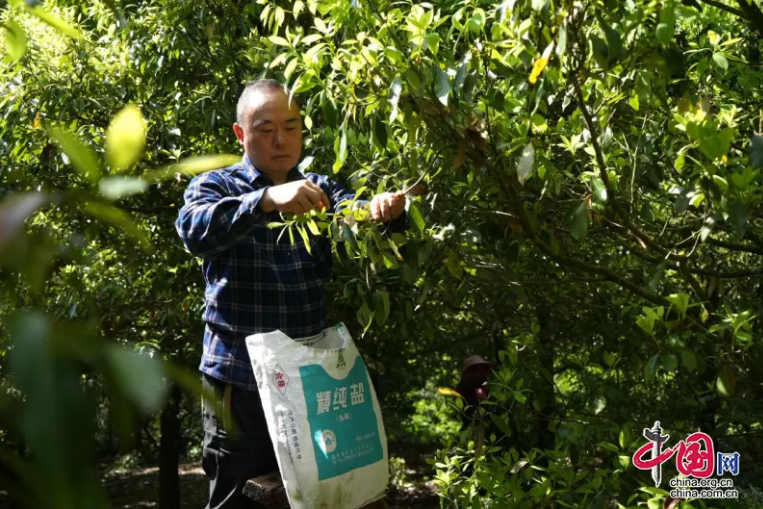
<point x="254" y="283"/>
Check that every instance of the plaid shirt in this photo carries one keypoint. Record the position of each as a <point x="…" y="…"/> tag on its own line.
<point x="253" y="283"/>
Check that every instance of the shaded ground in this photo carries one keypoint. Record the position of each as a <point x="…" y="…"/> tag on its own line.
<point x="138" y="489"/>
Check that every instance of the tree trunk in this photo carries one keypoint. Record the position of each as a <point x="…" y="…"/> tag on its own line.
<point x="169" y="452"/>
<point x="546" y="353"/>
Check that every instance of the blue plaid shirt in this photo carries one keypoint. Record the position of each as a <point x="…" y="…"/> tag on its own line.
<point x="253" y="283"/>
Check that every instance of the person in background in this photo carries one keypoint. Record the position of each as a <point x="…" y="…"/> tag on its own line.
<point x="473" y="386"/>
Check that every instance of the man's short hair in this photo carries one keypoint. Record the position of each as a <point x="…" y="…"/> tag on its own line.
<point x="253" y="88"/>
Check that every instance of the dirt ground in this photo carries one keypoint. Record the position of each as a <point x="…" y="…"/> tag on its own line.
<point x="138" y="489"/>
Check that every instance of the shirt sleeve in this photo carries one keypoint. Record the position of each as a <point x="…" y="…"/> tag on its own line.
<point x="211" y="220"/>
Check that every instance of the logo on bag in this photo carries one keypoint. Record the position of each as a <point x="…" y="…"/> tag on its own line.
<point x="280" y="380"/>
<point x="328" y="439"/>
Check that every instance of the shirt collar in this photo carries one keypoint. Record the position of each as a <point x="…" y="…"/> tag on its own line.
<point x="294" y="173"/>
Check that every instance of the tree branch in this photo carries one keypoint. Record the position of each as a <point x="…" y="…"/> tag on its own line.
<point x="737" y="247"/>
<point x="753" y="14"/>
<point x="702" y="272"/>
<point x="624" y="216"/>
<point x="726" y="8"/>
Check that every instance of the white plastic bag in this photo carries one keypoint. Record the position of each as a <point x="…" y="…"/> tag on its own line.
<point x="323" y="417"/>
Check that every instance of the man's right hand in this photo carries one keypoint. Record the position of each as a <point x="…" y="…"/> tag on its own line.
<point x="298" y="197"/>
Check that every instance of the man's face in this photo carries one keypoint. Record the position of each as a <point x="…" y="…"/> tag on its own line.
<point x="271" y="133"/>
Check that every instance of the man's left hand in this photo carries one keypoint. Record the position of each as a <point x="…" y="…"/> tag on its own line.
<point x="387" y="206"/>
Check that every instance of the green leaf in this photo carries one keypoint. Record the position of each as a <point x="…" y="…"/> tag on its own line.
<point x="192" y="166"/>
<point x="669" y="361"/>
<point x="414" y="211"/>
<point x="726" y="382"/>
<point x="313" y="227"/>
<point x="15" y="208"/>
<point x="341" y="153"/>
<point x="432" y="41"/>
<point x="721" y="182"/>
<point x="577" y="220"/>
<point x="678" y="164"/>
<point x="707" y="228"/>
<point x="633" y="101"/>
<point x="82" y="157"/>
<point x="689" y="359"/>
<point x="538" y="5"/>
<point x="738" y="213"/>
<point x="113" y="188"/>
<point x="330" y="113"/>
<point x="526" y="162"/>
<point x="380" y="133"/>
<point x="561" y="42"/>
<point x="600" y="51"/>
<point x="463" y="71"/>
<point x="721" y="61"/>
<point x="15" y="40"/>
<point x="320" y="25"/>
<point x="453" y="265"/>
<point x="413" y="78"/>
<point x="600" y="498"/>
<point x="469" y="85"/>
<point x="138" y="376"/>
<point x="680" y="302"/>
<point x="651" y="367"/>
<point x="385" y="302"/>
<point x="442" y="87"/>
<point x="654" y="281"/>
<point x="310" y="39"/>
<point x="599" y="190"/>
<point x="305" y="238"/>
<point x="365" y="316"/>
<point x="290" y="68"/>
<point x="501" y="423"/>
<point x="343" y="146"/>
<point x="305" y="163"/>
<point x="349" y="236"/>
<point x="120" y="219"/>
<point x="393" y="96"/>
<point x="476" y="22"/>
<point x="424" y="251"/>
<point x="756" y="150"/>
<point x="278" y="41"/>
<point x="614" y="42"/>
<point x="54" y="21"/>
<point x="125" y="138"/>
<point x="646" y="322"/>
<point x="664" y="33"/>
<point x="716" y="145"/>
<point x="624" y="461"/>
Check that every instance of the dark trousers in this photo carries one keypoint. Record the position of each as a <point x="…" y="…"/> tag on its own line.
<point x="237" y="446"/>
